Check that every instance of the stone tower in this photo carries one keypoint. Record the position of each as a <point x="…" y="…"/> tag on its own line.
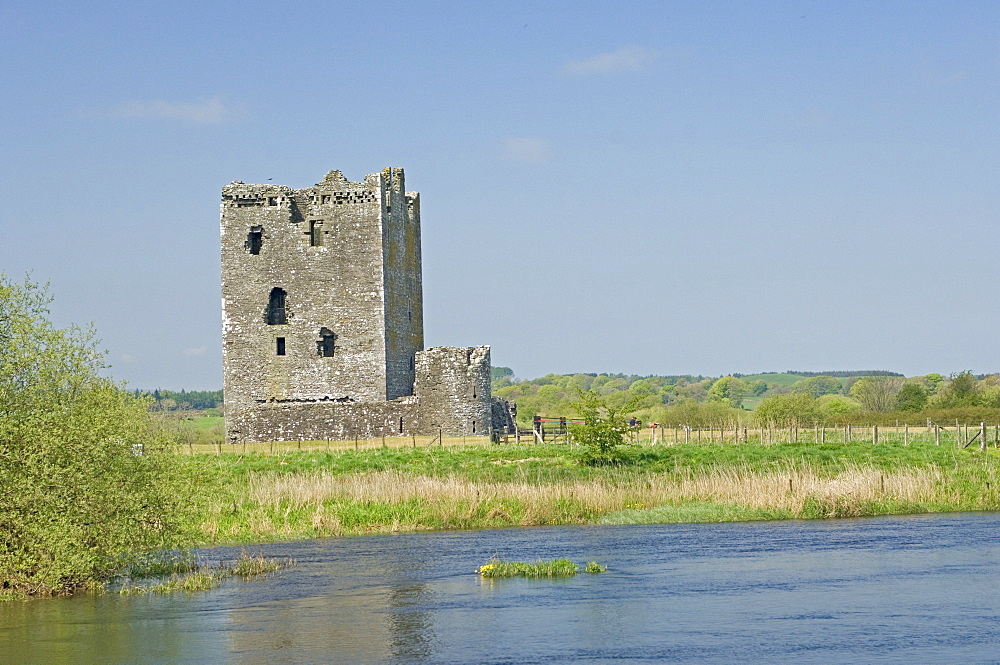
<point x="322" y="311"/>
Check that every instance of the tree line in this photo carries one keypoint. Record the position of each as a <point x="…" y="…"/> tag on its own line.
<point x="183" y="400"/>
<point x="787" y="398"/>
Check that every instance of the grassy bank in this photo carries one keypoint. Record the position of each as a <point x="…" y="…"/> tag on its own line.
<point x="303" y="494"/>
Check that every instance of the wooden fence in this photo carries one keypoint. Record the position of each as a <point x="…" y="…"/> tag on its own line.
<point x="556" y="430"/>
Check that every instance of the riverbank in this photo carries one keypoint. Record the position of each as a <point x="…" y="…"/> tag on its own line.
<point x="259" y="497"/>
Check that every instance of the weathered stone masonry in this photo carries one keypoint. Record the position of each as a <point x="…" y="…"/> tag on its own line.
<point x="322" y="308"/>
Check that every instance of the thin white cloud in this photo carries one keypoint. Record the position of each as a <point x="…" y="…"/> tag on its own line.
<point x="195" y="351"/>
<point x="627" y="59"/>
<point x="128" y="359"/>
<point x="527" y="149"/>
<point x="206" y="112"/>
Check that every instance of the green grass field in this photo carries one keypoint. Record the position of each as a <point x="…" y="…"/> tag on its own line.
<point x="290" y="494"/>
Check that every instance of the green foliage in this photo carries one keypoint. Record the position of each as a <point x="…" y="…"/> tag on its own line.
<point x="89" y="481"/>
<point x="834" y="407"/>
<point x="877" y="393"/>
<point x="604" y="428"/>
<point x="500" y="372"/>
<point x="594" y="567"/>
<point x="934" y="381"/>
<point x="787" y="409"/>
<point x="817" y="386"/>
<point x="170" y="400"/>
<point x="911" y="397"/>
<point x="730" y="390"/>
<point x="694" y="414"/>
<point x="962" y="390"/>
<point x="554" y="568"/>
<point x="189" y="577"/>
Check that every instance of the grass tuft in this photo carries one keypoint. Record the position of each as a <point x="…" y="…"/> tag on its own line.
<point x="553" y="568"/>
<point x="205" y="577"/>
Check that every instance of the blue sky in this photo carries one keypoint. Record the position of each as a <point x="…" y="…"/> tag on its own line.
<point x="641" y="187"/>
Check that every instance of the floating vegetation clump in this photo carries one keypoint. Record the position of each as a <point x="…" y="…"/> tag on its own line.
<point x="553" y="568"/>
<point x="205" y="577"/>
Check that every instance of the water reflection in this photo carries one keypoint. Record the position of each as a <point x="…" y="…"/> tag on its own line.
<point x="410" y="624"/>
<point x="913" y="589"/>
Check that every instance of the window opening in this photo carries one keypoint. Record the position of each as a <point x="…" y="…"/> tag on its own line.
<point x="276" y="307"/>
<point x="315" y="234"/>
<point x="327" y="343"/>
<point x="400" y="425"/>
<point x="255" y="239"/>
<point x="280" y="345"/>
<point x="473" y="426"/>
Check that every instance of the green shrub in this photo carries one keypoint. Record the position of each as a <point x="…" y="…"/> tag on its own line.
<point x="89" y="482"/>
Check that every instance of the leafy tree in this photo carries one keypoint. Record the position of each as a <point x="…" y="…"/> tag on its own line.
<point x="817" y="386"/>
<point x="500" y="372"/>
<point x="604" y="428"/>
<point x="963" y="390"/>
<point x="787" y="409"/>
<point x="877" y="393"/>
<point x="911" y="397"/>
<point x="832" y="407"/>
<point x="758" y="387"/>
<point x="88" y="479"/>
<point x="934" y="381"/>
<point x="728" y="389"/>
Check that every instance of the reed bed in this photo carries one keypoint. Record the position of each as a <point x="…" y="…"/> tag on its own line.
<point x="322" y="503"/>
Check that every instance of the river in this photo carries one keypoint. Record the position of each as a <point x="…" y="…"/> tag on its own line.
<point x="913" y="589"/>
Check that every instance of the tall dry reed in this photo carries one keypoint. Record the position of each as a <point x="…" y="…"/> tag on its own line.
<point x="453" y="501"/>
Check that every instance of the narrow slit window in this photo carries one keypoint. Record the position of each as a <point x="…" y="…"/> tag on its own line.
<point x="327" y="343"/>
<point x="473" y="426"/>
<point x="255" y="239"/>
<point x="400" y="425"/>
<point x="276" y="307"/>
<point x="279" y="346"/>
<point x="315" y="234"/>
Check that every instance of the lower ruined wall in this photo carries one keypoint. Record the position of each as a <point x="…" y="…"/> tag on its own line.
<point x="321" y="421"/>
<point x="451" y="396"/>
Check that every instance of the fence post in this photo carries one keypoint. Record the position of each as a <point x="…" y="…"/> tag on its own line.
<point x="982" y="433"/>
<point x="874" y="435"/>
<point x="906" y="434"/>
<point x="937" y="435"/>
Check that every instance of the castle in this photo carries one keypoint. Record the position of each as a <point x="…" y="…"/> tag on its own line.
<point x="322" y="310"/>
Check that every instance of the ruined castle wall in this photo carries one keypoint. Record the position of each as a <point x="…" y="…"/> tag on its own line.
<point x="403" y="290"/>
<point x="453" y="388"/>
<point x="323" y="317"/>
<point x="324" y="421"/>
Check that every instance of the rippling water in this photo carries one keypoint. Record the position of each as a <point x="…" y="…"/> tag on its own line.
<point x="923" y="589"/>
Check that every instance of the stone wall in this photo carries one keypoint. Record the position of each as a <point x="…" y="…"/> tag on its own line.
<point x="453" y="386"/>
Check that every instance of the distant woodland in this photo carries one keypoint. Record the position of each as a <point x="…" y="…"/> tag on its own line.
<point x="779" y="398"/>
<point x="864" y="396"/>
